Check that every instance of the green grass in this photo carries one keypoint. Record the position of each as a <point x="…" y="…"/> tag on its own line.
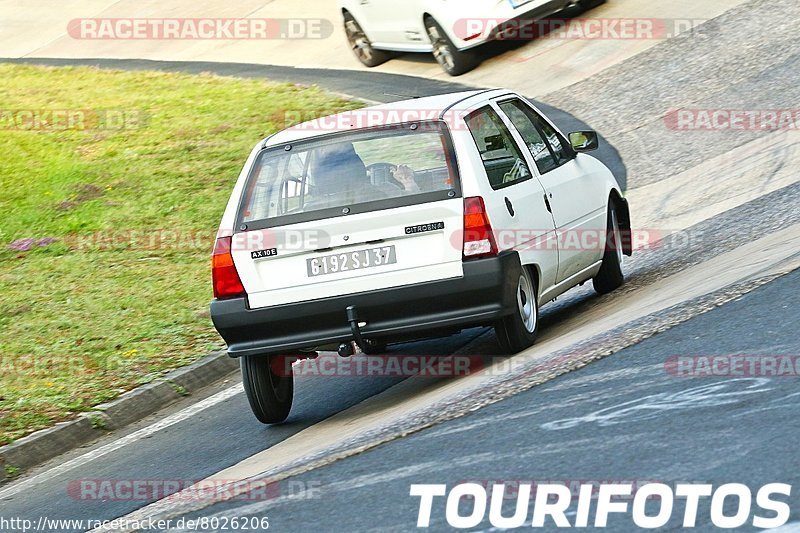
<point x="102" y="309"/>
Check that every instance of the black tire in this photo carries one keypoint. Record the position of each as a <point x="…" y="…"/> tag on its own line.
<point x="454" y="61"/>
<point x="518" y="331"/>
<point x="610" y="276"/>
<point x="582" y="6"/>
<point x="590" y="4"/>
<point x="361" y="45"/>
<point x="269" y="385"/>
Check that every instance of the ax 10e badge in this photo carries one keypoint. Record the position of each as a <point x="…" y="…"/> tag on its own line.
<point x="424" y="228"/>
<point x="261" y="254"/>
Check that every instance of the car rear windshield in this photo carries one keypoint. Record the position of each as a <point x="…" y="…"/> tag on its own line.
<point x="349" y="173"/>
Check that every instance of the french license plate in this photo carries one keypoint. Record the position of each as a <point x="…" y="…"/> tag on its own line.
<point x="345" y="262"/>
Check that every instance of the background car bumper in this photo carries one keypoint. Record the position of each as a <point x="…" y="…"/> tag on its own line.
<point x="514" y="26"/>
<point x="486" y="292"/>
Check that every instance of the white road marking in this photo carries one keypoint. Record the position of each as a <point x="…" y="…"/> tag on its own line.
<point x="654" y="405"/>
<point x="145" y="432"/>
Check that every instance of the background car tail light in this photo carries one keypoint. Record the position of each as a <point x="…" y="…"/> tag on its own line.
<point x="478" y="238"/>
<point x="227" y="283"/>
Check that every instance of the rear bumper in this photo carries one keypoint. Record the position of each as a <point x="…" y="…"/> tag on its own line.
<point x="486" y="292"/>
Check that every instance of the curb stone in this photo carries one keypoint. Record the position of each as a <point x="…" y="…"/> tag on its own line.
<point x="132" y="406"/>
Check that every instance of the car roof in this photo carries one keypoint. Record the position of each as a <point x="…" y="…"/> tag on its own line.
<point x="417" y="109"/>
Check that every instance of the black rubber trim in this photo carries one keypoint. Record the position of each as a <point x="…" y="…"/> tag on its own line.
<point x="485" y="293"/>
<point x="624" y="219"/>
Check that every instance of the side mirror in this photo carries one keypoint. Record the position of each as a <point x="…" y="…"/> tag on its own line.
<point x="584" y="141"/>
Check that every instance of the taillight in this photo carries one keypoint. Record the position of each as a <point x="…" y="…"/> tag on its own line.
<point x="223" y="272"/>
<point x="478" y="238"/>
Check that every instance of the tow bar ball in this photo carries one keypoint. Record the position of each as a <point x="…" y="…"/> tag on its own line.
<point x="346" y="349"/>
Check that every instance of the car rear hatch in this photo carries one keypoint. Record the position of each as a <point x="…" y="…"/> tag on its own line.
<point x="350" y="213"/>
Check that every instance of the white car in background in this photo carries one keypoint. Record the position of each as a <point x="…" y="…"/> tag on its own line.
<point x="450" y="29"/>
<point x="377" y="227"/>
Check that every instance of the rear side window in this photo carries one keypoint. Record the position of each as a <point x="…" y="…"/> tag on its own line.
<point x="350" y="173"/>
<point x="501" y="156"/>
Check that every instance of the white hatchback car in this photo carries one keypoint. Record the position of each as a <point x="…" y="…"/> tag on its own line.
<point x="406" y="221"/>
<point x="450" y="29"/>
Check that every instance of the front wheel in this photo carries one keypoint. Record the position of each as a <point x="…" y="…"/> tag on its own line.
<point x="518" y="331"/>
<point x="269" y="385"/>
<point x="454" y="61"/>
<point x="589" y="4"/>
<point x="610" y="276"/>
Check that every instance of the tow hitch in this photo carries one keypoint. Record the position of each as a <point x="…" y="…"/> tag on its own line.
<point x="346" y="349"/>
<point x="359" y="344"/>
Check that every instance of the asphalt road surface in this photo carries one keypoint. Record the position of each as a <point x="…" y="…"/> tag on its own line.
<point x="627" y="418"/>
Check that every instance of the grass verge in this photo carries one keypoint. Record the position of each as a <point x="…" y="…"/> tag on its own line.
<point x="113" y="185"/>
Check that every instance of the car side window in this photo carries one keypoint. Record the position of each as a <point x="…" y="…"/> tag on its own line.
<point x="542" y="155"/>
<point x="542" y="139"/>
<point x="500" y="154"/>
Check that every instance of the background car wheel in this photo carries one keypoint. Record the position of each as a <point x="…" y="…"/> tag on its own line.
<point x="610" y="276"/>
<point x="361" y="45"/>
<point x="269" y="384"/>
<point x="454" y="61"/>
<point x="518" y="331"/>
<point x="589" y="4"/>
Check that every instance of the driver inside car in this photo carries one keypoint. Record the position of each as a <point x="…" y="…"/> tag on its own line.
<point x="340" y="177"/>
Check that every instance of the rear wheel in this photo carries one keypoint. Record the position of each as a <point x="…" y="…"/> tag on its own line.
<point x="269" y="385"/>
<point x="454" y="61"/>
<point x="518" y="331"/>
<point x="361" y="45"/>
<point x="610" y="276"/>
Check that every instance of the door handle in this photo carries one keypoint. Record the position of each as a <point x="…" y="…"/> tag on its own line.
<point x="547" y="204"/>
<point x="510" y="207"/>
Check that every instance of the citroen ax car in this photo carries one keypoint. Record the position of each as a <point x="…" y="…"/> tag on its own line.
<point x="407" y="221"/>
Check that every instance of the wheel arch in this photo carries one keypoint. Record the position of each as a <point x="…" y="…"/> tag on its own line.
<point x="357" y="17"/>
<point x="536" y="273"/>
<point x="428" y="15"/>
<point x="618" y="202"/>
